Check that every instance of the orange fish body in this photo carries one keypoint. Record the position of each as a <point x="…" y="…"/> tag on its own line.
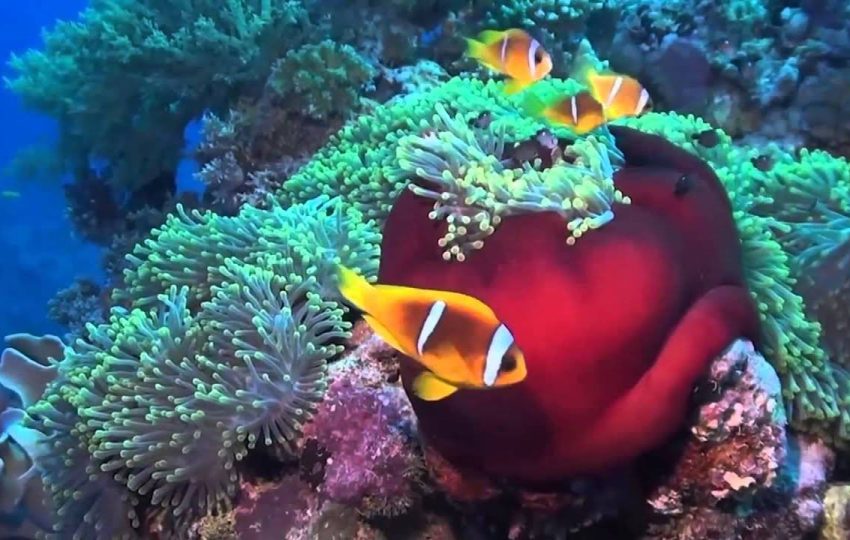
<point x="455" y="337"/>
<point x="513" y="53"/>
<point x="580" y="112"/>
<point x="620" y="95"/>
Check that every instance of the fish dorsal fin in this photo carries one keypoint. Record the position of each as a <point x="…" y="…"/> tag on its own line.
<point x="384" y="333"/>
<point x="429" y="388"/>
<point x="489" y="37"/>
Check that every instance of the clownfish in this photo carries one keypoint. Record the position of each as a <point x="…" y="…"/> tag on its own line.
<point x="513" y="53"/>
<point x="620" y="95"/>
<point x="457" y="338"/>
<point x="581" y="112"/>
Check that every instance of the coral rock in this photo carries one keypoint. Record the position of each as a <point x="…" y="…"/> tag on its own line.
<point x="365" y="433"/>
<point x="740" y="473"/>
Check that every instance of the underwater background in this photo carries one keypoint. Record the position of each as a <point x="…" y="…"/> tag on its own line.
<point x="45" y="254"/>
<point x="426" y="269"/>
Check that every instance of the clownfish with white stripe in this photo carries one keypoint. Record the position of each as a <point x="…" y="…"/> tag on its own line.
<point x="581" y="112"/>
<point x="457" y="338"/>
<point x="513" y="53"/>
<point x="620" y="95"/>
<point x="609" y="96"/>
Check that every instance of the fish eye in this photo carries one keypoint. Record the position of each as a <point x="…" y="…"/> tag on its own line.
<point x="508" y="363"/>
<point x="538" y="56"/>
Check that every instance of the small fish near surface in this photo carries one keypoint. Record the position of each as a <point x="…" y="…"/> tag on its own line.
<point x="457" y="338"/>
<point x="10" y="194"/>
<point x="513" y="53"/>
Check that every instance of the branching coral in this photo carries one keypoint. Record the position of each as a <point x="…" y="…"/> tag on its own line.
<point x="127" y="77"/>
<point x="556" y="14"/>
<point x="76" y="305"/>
<point x="321" y="80"/>
<point x="153" y="411"/>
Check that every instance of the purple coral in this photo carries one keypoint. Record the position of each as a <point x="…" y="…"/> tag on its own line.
<point x="368" y="435"/>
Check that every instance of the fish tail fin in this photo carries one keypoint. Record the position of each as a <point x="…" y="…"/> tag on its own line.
<point x="354" y="287"/>
<point x="584" y="67"/>
<point x="534" y="106"/>
<point x="514" y="86"/>
<point x="476" y="49"/>
<point x="583" y="72"/>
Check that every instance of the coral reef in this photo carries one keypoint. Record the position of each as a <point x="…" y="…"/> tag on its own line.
<point x="361" y="164"/>
<point x="759" y="69"/>
<point x="365" y="435"/>
<point x="738" y="471"/>
<point x="324" y="143"/>
<point x="83" y="302"/>
<point x="156" y="66"/>
<point x="320" y="80"/>
<point x="233" y="361"/>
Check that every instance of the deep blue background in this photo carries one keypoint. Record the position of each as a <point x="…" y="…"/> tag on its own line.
<point x="39" y="252"/>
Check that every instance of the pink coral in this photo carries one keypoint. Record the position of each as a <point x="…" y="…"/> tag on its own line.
<point x="366" y="435"/>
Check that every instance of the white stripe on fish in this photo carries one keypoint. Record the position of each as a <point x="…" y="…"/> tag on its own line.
<point x="500" y="343"/>
<point x="644" y="99"/>
<point x="430" y="323"/>
<point x="504" y="52"/>
<point x="532" y="51"/>
<point x="618" y="83"/>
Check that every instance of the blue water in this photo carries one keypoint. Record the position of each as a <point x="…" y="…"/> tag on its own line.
<point x="40" y="253"/>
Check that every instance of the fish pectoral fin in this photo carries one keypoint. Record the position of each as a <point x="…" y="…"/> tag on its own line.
<point x="383" y="333"/>
<point x="429" y="388"/>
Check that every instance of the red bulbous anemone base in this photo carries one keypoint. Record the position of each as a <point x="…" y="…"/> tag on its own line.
<point x="616" y="329"/>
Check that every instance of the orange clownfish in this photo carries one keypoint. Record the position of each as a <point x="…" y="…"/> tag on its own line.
<point x="581" y="112"/>
<point x="620" y="95"/>
<point x="513" y="53"/>
<point x="457" y="338"/>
